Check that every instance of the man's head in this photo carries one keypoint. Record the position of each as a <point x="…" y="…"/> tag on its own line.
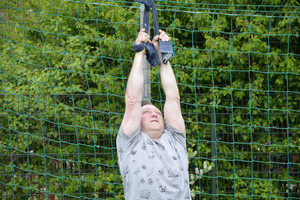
<point x="152" y="122"/>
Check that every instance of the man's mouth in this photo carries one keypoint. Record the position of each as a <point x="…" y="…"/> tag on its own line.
<point x="154" y="120"/>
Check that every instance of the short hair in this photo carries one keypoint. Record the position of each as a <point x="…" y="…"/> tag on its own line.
<point x="146" y="102"/>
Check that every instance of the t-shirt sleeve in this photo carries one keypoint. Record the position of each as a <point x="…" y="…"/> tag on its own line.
<point x="124" y="141"/>
<point x="177" y="135"/>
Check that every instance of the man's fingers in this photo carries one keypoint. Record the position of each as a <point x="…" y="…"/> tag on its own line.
<point x="143" y="33"/>
<point x="144" y="37"/>
<point x="163" y="36"/>
<point x="166" y="38"/>
<point x="156" y="38"/>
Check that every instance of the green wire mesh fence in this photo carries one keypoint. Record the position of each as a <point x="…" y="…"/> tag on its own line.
<point x="63" y="72"/>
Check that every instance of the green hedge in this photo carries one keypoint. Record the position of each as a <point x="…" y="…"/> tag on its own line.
<point x="64" y="67"/>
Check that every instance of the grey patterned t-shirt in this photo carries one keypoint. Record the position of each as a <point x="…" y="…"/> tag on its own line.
<point x="155" y="170"/>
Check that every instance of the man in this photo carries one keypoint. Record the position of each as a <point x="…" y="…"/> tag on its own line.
<point x="152" y="154"/>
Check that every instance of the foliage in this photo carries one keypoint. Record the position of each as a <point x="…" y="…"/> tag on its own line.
<point x="63" y="72"/>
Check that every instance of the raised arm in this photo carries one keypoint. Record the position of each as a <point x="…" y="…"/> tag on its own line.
<point x="172" y="109"/>
<point x="134" y="89"/>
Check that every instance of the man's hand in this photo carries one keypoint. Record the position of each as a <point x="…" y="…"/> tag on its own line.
<point x="163" y="36"/>
<point x="142" y="37"/>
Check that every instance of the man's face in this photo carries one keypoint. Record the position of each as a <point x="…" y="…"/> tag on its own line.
<point x="152" y="120"/>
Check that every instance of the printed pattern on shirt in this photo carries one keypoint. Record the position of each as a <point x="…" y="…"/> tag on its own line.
<point x="153" y="169"/>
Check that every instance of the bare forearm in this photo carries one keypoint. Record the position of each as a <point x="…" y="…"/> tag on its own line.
<point x="136" y="79"/>
<point x="168" y="81"/>
<point x="172" y="110"/>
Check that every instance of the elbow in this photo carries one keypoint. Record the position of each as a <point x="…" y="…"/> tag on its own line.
<point x="175" y="97"/>
<point x="132" y="99"/>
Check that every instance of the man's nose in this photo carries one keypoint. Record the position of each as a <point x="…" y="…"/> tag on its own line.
<point x="154" y="114"/>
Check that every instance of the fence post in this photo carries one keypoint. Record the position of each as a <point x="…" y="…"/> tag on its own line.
<point x="213" y="150"/>
<point x="146" y="65"/>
